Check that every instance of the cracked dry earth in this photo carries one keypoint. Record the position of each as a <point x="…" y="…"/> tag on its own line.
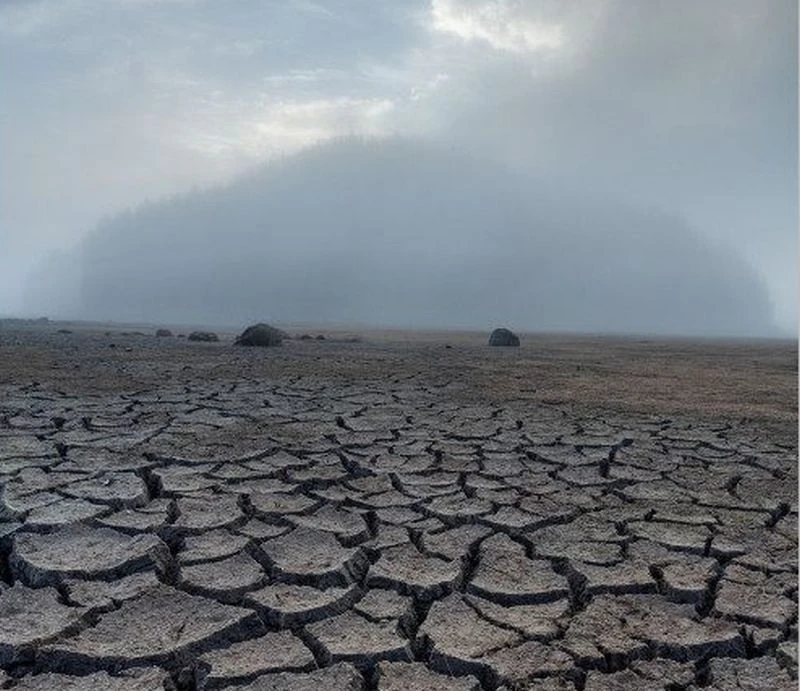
<point x="376" y="516"/>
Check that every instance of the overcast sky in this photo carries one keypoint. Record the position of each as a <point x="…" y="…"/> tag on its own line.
<point x="682" y="106"/>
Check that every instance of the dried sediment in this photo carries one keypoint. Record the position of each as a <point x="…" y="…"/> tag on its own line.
<point x="315" y="530"/>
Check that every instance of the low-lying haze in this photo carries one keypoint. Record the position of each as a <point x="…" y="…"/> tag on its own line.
<point x="602" y="165"/>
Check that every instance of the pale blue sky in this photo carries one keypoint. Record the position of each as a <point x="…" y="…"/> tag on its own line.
<point x="685" y="106"/>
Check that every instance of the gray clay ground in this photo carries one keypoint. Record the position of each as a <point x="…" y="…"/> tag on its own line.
<point x="193" y="516"/>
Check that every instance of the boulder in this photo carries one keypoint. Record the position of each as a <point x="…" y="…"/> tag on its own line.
<point x="163" y="333"/>
<point x="260" y="335"/>
<point x="503" y="337"/>
<point x="203" y="336"/>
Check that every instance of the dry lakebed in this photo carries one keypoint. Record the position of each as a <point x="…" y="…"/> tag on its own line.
<point x="397" y="511"/>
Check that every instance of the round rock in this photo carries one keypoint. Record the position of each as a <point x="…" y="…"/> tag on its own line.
<point x="260" y="334"/>
<point x="503" y="337"/>
<point x="207" y="336"/>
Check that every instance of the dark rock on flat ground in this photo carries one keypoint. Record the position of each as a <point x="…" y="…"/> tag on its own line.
<point x="261" y="335"/>
<point x="207" y="336"/>
<point x="503" y="337"/>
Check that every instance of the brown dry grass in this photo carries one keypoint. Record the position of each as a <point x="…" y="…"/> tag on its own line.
<point x="745" y="382"/>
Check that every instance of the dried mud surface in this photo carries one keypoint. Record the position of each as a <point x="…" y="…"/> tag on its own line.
<point x="403" y="512"/>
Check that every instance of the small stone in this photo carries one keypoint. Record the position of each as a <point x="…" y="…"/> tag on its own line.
<point x="206" y="336"/>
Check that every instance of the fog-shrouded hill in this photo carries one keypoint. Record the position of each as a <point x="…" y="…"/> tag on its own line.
<point x="394" y="232"/>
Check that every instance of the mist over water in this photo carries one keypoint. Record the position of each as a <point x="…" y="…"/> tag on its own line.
<point x="396" y="232"/>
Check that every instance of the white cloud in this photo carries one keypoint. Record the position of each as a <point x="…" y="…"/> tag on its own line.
<point x="503" y="24"/>
<point x="260" y="128"/>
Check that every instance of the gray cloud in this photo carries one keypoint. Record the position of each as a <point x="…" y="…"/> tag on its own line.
<point x="689" y="107"/>
<point x="397" y="233"/>
<point x="685" y="108"/>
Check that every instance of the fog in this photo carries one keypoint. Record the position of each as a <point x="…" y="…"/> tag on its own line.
<point x="590" y="165"/>
<point x="399" y="233"/>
